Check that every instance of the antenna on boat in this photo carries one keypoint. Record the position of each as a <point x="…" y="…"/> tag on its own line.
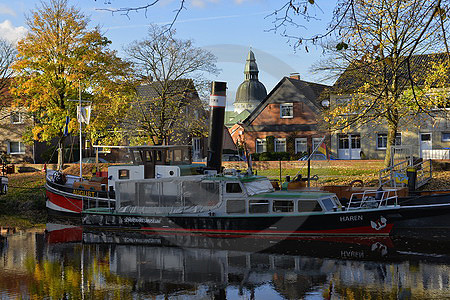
<point x="217" y="102"/>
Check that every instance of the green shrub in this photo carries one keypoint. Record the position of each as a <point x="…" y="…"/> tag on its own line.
<point x="270" y="143"/>
<point x="299" y="155"/>
<point x="255" y="156"/>
<point x="271" y="156"/>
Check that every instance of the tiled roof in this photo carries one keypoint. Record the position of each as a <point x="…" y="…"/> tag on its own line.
<point x="303" y="89"/>
<point x="358" y="73"/>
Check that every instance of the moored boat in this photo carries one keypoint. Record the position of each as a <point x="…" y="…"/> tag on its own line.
<point x="236" y="205"/>
<point x="69" y="194"/>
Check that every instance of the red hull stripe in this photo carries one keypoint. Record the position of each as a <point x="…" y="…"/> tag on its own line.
<point x="74" y="205"/>
<point x="353" y="230"/>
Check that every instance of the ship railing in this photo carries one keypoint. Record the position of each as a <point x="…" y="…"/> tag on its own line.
<point x="373" y="199"/>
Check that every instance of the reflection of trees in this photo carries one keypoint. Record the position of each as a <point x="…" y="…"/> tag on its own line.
<point x="70" y="279"/>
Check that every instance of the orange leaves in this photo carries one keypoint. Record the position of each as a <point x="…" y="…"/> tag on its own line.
<point x="59" y="54"/>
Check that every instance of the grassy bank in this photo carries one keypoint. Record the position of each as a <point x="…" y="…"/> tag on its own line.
<point x="24" y="204"/>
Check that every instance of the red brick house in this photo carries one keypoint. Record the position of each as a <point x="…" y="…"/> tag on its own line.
<point x="288" y="115"/>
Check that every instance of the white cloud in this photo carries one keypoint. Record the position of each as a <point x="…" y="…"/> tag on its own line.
<point x="11" y="33"/>
<point x="202" y="3"/>
<point x="5" y="10"/>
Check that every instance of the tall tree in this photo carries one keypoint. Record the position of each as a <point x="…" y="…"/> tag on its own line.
<point x="379" y="44"/>
<point x="59" y="57"/>
<point x="7" y="55"/>
<point x="173" y="71"/>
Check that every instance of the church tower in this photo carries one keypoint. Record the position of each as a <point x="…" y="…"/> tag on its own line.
<point x="250" y="92"/>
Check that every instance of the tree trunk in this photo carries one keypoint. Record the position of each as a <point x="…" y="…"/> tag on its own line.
<point x="392" y="132"/>
<point x="61" y="154"/>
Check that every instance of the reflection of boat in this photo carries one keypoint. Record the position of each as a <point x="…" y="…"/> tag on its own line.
<point x="188" y="265"/>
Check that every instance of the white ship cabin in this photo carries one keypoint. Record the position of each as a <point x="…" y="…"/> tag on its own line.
<point x="216" y="196"/>
<point x="154" y="162"/>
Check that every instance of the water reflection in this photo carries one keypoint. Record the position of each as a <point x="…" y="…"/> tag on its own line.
<point x="66" y="262"/>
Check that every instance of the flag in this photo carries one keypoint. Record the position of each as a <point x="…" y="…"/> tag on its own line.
<point x="84" y="114"/>
<point x="323" y="149"/>
<point x="66" y="127"/>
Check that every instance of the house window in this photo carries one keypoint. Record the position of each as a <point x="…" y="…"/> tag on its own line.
<point x="446" y="136"/>
<point x="17" y="118"/>
<point x="301" y="145"/>
<point x="343" y="101"/>
<point x="16" y="148"/>
<point x="382" y="140"/>
<point x="356" y="141"/>
<point x="316" y="142"/>
<point x="280" y="145"/>
<point x="343" y="142"/>
<point x="260" y="145"/>
<point x="287" y="110"/>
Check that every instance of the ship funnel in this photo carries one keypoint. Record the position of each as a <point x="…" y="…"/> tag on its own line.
<point x="217" y="102"/>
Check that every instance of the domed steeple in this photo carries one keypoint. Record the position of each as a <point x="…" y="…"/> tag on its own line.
<point x="250" y="92"/>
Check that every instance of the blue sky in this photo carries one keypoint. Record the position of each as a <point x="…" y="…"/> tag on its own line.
<point x="227" y="28"/>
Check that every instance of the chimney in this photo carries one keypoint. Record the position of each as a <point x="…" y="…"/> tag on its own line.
<point x="295" y="76"/>
<point x="217" y="102"/>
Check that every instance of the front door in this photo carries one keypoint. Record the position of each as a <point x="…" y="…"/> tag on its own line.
<point x="425" y="144"/>
<point x="349" y="146"/>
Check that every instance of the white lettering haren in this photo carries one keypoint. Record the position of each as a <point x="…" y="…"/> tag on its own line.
<point x="351" y="218"/>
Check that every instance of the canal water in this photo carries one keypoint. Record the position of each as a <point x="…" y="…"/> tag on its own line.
<point x="66" y="262"/>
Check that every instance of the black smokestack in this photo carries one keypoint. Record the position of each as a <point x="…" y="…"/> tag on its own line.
<point x="217" y="102"/>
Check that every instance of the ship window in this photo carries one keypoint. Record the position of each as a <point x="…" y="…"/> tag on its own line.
<point x="233" y="187"/>
<point x="258" y="206"/>
<point x="124" y="174"/>
<point x="328" y="204"/>
<point x="308" y="205"/>
<point x="283" y="206"/>
<point x="235" y="206"/>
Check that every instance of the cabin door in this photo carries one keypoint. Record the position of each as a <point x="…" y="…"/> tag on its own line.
<point x="425" y="144"/>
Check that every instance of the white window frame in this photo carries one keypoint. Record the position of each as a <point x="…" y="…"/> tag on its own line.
<point x="19" y="114"/>
<point x="262" y="143"/>
<point x="397" y="136"/>
<point x="305" y="140"/>
<point x="276" y="141"/>
<point x="21" y="148"/>
<point x="445" y="138"/>
<point x="287" y="105"/>
<point x="316" y="142"/>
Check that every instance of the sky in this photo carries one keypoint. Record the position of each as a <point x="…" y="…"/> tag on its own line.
<point x="227" y="28"/>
